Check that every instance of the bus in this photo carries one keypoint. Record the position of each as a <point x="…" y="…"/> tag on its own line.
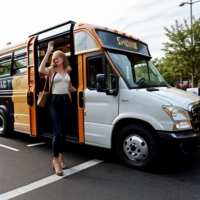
<point x="122" y="102"/>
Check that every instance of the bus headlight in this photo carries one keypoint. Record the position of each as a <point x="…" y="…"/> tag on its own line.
<point x="180" y="117"/>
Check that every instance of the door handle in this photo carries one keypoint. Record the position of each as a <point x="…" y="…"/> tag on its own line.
<point x="30" y="98"/>
<point x="81" y="99"/>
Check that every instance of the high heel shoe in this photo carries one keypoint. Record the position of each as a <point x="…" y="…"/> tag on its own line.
<point x="59" y="173"/>
<point x="63" y="166"/>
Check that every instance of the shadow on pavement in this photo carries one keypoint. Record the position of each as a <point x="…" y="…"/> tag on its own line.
<point x="185" y="164"/>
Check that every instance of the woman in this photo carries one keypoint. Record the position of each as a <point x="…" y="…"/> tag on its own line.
<point x="59" y="105"/>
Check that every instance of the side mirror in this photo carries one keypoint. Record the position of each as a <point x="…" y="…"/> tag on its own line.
<point x="101" y="85"/>
<point x="101" y="82"/>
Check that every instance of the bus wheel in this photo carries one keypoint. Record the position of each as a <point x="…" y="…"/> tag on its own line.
<point x="137" y="147"/>
<point x="4" y="130"/>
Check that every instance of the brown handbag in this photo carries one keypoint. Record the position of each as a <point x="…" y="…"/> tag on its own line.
<point x="45" y="94"/>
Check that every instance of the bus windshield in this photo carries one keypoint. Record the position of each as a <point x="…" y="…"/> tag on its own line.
<point x="137" y="71"/>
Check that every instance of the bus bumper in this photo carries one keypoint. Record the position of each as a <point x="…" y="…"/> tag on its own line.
<point x="176" y="143"/>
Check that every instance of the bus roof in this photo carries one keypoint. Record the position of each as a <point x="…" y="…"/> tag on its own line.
<point x="129" y="41"/>
<point x="92" y="28"/>
<point x="12" y="47"/>
<point x="77" y="26"/>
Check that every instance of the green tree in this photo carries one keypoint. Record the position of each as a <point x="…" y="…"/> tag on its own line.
<point x="166" y="69"/>
<point x="182" y="52"/>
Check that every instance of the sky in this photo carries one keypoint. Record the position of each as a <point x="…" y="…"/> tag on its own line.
<point x="143" y="19"/>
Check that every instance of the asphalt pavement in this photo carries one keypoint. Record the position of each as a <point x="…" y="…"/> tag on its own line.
<point x="176" y="178"/>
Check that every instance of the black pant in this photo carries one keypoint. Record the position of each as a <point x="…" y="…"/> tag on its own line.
<point x="59" y="111"/>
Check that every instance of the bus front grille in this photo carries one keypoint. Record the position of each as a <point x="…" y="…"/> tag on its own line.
<point x="195" y="114"/>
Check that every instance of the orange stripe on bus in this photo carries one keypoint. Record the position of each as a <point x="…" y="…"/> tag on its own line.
<point x="80" y="111"/>
<point x="84" y="72"/>
<point x="32" y="110"/>
<point x="118" y="74"/>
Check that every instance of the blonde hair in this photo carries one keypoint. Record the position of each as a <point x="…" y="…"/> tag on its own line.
<point x="66" y="65"/>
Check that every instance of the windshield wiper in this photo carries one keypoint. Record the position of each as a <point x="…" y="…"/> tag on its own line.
<point x="141" y="82"/>
<point x="144" y="85"/>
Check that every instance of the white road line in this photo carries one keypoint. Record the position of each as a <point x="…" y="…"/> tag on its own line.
<point x="31" y="145"/>
<point x="7" y="147"/>
<point x="48" y="180"/>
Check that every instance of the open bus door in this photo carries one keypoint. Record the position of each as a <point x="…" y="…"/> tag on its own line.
<point x="31" y="93"/>
<point x="80" y="96"/>
<point x="60" y="32"/>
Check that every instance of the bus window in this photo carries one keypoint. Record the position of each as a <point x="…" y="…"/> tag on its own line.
<point x="154" y="77"/>
<point x="52" y="33"/>
<point x="141" y="70"/>
<point x="125" y="62"/>
<point x="95" y="66"/>
<point x="20" y="62"/>
<point x="83" y="41"/>
<point x="110" y="79"/>
<point x="5" y="64"/>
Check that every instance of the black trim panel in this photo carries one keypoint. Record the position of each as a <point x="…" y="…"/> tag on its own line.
<point x="182" y="142"/>
<point x="179" y="134"/>
<point x="95" y="53"/>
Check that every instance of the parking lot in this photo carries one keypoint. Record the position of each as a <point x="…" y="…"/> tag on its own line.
<point x="93" y="173"/>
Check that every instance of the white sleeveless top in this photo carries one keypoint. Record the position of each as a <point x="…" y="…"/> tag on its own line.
<point x="60" y="84"/>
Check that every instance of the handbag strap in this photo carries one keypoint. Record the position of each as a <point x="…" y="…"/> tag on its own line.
<point x="52" y="82"/>
<point x="46" y="85"/>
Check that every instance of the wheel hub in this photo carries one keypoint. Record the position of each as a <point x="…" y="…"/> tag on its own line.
<point x="1" y="124"/>
<point x="136" y="148"/>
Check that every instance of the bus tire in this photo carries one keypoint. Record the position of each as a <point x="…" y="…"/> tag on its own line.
<point x="137" y="147"/>
<point x="4" y="126"/>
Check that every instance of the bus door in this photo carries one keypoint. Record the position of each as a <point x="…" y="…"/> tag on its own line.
<point x="100" y="108"/>
<point x="31" y="93"/>
<point x="60" y="33"/>
<point x="80" y="96"/>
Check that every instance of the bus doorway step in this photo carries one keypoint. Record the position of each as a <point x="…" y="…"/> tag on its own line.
<point x="34" y="136"/>
<point x="72" y="138"/>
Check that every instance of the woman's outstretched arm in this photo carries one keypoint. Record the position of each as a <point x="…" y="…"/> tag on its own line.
<point x="42" y="68"/>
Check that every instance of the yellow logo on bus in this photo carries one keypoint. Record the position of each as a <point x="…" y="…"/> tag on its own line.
<point x="127" y="43"/>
